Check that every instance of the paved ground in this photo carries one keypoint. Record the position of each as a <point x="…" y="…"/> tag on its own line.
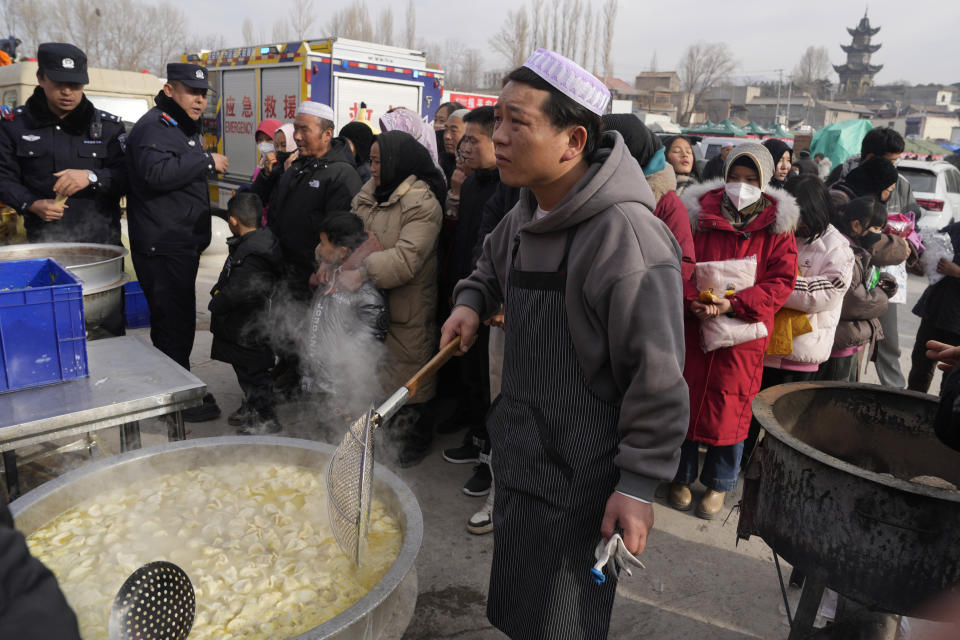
<point x="699" y="582"/>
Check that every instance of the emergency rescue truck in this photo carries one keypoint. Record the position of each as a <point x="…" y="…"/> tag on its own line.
<point x="269" y="81"/>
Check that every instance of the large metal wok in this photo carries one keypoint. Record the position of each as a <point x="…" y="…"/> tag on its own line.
<point x="98" y="266"/>
<point x="367" y="619"/>
<point x="831" y="488"/>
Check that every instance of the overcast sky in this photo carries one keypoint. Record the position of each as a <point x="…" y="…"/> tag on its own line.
<point x="916" y="34"/>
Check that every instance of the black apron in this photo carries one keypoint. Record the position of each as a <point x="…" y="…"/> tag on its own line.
<point x="553" y="447"/>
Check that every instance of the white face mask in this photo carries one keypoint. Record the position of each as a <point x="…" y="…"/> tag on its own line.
<point x="742" y="195"/>
<point x="266" y="147"/>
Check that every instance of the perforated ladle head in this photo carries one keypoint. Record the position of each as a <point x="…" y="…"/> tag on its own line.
<point x="157" y="602"/>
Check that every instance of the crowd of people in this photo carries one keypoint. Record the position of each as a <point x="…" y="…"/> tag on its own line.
<point x="620" y="302"/>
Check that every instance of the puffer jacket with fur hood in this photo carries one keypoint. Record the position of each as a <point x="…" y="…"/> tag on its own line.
<point x="670" y="209"/>
<point x="724" y="382"/>
<point x="826" y="266"/>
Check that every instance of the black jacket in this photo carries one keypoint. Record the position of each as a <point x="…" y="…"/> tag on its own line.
<point x="32" y="607"/>
<point x="504" y="199"/>
<point x="476" y="190"/>
<point x="714" y="168"/>
<point x="265" y="182"/>
<point x="309" y="190"/>
<point x="241" y="296"/>
<point x="168" y="207"/>
<point x="35" y="144"/>
<point x="940" y="302"/>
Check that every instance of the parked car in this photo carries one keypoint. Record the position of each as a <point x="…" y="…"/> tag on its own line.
<point x="936" y="186"/>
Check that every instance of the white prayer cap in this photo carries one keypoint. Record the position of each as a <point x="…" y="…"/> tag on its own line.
<point x="317" y="109"/>
<point x="570" y="79"/>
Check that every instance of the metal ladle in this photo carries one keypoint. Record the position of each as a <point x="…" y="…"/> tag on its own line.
<point x="156" y="602"/>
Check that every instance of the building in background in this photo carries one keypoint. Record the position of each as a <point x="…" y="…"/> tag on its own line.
<point x="856" y="76"/>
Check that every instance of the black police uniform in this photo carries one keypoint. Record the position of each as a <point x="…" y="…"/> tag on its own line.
<point x="168" y="211"/>
<point x="35" y="143"/>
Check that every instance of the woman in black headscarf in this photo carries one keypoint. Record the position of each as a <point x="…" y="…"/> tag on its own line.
<point x="403" y="207"/>
<point x="876" y="177"/>
<point x="360" y="136"/>
<point x="782" y="161"/>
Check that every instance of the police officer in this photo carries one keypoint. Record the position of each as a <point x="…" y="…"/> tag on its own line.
<point x="59" y="146"/>
<point x="168" y="211"/>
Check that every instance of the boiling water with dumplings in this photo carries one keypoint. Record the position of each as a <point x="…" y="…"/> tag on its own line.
<point x="253" y="538"/>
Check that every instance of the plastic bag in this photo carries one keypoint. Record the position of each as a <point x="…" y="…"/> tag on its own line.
<point x="905" y="226"/>
<point x="938" y="246"/>
<point x="724" y="275"/>
<point x="899" y="273"/>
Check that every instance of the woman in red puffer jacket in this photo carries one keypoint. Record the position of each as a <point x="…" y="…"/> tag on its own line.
<point x="739" y="218"/>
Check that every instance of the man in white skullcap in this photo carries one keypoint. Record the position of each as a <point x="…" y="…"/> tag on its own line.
<point x="593" y="407"/>
<point x="322" y="180"/>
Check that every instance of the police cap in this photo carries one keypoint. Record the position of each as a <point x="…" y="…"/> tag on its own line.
<point x="62" y="62"/>
<point x="192" y="75"/>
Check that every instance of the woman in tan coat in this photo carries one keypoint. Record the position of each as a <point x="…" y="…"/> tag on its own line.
<point x="403" y="207"/>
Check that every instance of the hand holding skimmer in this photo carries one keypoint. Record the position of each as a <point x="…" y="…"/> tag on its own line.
<point x="350" y="474"/>
<point x="157" y="602"/>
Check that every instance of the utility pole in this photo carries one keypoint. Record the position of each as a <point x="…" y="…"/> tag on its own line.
<point x="789" y="98"/>
<point x="776" y="118"/>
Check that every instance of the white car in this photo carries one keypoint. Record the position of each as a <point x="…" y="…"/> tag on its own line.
<point x="936" y="187"/>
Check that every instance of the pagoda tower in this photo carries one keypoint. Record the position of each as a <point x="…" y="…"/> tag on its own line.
<point x="857" y="74"/>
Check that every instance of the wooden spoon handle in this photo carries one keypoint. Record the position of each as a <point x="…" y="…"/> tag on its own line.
<point x="433" y="366"/>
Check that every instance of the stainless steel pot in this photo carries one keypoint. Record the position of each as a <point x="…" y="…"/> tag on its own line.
<point x="98" y="266"/>
<point x="367" y="619"/>
<point x="831" y="489"/>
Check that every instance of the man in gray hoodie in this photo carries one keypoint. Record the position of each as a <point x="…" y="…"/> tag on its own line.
<point x="593" y="407"/>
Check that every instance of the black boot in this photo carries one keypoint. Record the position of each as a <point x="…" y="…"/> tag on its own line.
<point x="204" y="413"/>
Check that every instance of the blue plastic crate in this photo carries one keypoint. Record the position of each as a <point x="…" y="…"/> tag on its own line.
<point x="42" y="336"/>
<point x="136" y="313"/>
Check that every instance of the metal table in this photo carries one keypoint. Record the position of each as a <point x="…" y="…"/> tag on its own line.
<point x="129" y="381"/>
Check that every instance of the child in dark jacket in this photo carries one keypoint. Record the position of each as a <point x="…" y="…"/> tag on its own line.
<point x="939" y="311"/>
<point x="866" y="299"/>
<point x="348" y="323"/>
<point x="237" y="307"/>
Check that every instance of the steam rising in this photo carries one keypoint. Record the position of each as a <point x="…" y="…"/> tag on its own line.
<point x="340" y="355"/>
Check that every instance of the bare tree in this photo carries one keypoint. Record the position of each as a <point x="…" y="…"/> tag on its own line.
<point x="384" y="33"/>
<point x="302" y="19"/>
<point x="609" y="26"/>
<point x="512" y="40"/>
<point x="812" y="70"/>
<point x="83" y="25"/>
<point x="702" y="66"/>
<point x="589" y="45"/>
<point x="209" y="42"/>
<point x="471" y="66"/>
<point x="538" y="25"/>
<point x="352" y="21"/>
<point x="247" y="33"/>
<point x="572" y="10"/>
<point x="410" y="26"/>
<point x="27" y="20"/>
<point x="597" y="44"/>
<point x="172" y="23"/>
<point x="282" y="31"/>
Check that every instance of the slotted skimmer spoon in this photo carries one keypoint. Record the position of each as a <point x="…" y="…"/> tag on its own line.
<point x="157" y="602"/>
<point x="350" y="474"/>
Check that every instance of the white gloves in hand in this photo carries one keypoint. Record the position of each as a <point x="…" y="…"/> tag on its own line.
<point x="613" y="553"/>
